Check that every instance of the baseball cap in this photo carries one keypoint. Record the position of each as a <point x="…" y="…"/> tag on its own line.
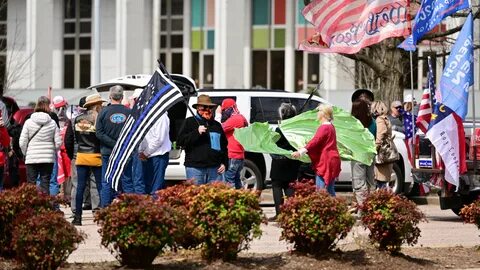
<point x="396" y="103"/>
<point x="59" y="101"/>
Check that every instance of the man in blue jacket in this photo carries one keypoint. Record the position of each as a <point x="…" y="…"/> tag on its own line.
<point x="110" y="122"/>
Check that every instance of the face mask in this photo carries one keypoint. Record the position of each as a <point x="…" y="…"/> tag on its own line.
<point x="226" y="114"/>
<point x="207" y="114"/>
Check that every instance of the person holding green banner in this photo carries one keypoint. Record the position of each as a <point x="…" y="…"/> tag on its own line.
<point x="283" y="169"/>
<point x="323" y="152"/>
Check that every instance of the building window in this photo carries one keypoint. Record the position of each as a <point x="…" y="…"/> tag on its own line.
<point x="171" y="35"/>
<point x="268" y="43"/>
<point x="203" y="42"/>
<point x="77" y="40"/>
<point x="3" y="43"/>
<point x="307" y="65"/>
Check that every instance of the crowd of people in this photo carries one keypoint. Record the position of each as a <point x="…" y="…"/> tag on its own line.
<point x="67" y="151"/>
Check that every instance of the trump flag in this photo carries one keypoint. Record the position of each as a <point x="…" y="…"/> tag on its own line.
<point x="431" y="13"/>
<point x="457" y="75"/>
<point x="349" y="25"/>
<point x="447" y="135"/>
<point x="158" y="96"/>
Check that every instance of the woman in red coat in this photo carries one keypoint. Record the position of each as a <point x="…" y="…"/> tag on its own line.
<point x="323" y="152"/>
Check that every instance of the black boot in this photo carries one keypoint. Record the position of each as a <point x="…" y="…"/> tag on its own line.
<point x="77" y="220"/>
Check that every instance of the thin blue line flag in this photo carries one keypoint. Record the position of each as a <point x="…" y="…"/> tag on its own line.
<point x="431" y="13"/>
<point x="157" y="97"/>
<point x="457" y="75"/>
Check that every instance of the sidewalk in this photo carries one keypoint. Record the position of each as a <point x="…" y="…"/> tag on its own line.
<point x="443" y="229"/>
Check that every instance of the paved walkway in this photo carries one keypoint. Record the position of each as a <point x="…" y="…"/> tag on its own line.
<point x="443" y="229"/>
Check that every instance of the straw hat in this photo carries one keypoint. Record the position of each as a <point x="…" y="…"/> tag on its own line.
<point x="204" y="100"/>
<point x="93" y="99"/>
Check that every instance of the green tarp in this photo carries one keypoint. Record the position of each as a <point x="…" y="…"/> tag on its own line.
<point x="353" y="140"/>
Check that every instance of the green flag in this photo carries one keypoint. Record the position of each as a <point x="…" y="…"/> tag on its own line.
<point x="354" y="142"/>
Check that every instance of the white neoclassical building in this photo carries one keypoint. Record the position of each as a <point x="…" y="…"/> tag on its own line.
<point x="71" y="44"/>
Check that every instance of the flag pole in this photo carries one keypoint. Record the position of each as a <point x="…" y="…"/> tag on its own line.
<point x="474" y="138"/>
<point x="413" y="115"/>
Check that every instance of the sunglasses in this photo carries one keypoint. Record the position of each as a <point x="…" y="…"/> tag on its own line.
<point x="398" y="107"/>
<point x="205" y="108"/>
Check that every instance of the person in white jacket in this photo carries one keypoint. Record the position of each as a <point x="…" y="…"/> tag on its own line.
<point x="39" y="141"/>
<point x="153" y="151"/>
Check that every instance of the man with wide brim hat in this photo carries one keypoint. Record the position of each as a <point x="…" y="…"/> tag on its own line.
<point x="205" y="144"/>
<point x="204" y="100"/>
<point x="93" y="99"/>
<point x="362" y="93"/>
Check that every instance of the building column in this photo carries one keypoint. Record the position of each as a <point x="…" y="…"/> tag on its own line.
<point x="121" y="40"/>
<point x="219" y="30"/>
<point x="247" y="46"/>
<point x="290" y="46"/>
<point x="95" y="64"/>
<point x="156" y="31"/>
<point x="187" y="38"/>
<point x="31" y="36"/>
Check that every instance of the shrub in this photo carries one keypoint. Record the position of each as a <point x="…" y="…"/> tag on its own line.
<point x="225" y="220"/>
<point x="44" y="240"/>
<point x="12" y="203"/>
<point x="313" y="220"/>
<point x="136" y="228"/>
<point x="471" y="213"/>
<point x="391" y="219"/>
<point x="180" y="198"/>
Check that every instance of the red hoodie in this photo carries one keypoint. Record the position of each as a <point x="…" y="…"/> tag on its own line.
<point x="235" y="149"/>
<point x="5" y="143"/>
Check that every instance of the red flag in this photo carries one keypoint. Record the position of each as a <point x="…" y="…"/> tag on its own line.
<point x="349" y="25"/>
<point x="425" y="111"/>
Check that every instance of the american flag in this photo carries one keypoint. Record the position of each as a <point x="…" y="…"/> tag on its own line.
<point x="425" y="112"/>
<point x="410" y="131"/>
<point x="158" y="96"/>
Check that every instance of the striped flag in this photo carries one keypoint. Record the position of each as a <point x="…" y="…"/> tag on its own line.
<point x="428" y="97"/>
<point x="349" y="25"/>
<point x="158" y="96"/>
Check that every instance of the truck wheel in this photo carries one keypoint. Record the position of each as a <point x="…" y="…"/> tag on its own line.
<point x="397" y="179"/>
<point x="251" y="176"/>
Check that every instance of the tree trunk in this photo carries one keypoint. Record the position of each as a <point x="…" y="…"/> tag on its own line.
<point x="381" y="68"/>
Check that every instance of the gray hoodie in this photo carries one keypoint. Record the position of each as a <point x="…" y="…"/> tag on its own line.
<point x="42" y="147"/>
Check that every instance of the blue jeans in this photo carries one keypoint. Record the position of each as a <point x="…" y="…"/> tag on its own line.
<point x="232" y="175"/>
<point x="108" y="193"/>
<point x="203" y="175"/>
<point x="137" y="177"/>
<point x="155" y="176"/>
<point x="83" y="175"/>
<point x="54" y="187"/>
<point x="320" y="183"/>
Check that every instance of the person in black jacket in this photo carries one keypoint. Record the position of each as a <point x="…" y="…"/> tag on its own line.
<point x="283" y="170"/>
<point x="110" y="122"/>
<point x="205" y="144"/>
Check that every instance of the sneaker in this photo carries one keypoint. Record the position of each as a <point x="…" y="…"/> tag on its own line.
<point x="87" y="207"/>
<point x="77" y="220"/>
